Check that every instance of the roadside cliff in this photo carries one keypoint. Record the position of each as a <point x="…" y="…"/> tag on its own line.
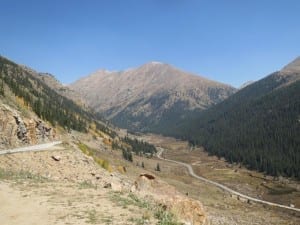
<point x="17" y="130"/>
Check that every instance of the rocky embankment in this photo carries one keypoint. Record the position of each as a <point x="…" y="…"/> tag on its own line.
<point x="189" y="211"/>
<point x="17" y="130"/>
<point x="73" y="167"/>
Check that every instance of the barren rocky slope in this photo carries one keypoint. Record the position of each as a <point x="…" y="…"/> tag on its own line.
<point x="149" y="97"/>
<point x="69" y="187"/>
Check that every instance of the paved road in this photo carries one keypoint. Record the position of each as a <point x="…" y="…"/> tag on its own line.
<point x="41" y="147"/>
<point x="223" y="187"/>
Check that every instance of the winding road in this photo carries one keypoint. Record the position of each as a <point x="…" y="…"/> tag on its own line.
<point x="32" y="148"/>
<point x="221" y="186"/>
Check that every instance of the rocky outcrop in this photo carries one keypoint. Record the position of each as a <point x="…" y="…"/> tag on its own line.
<point x="188" y="211"/>
<point x="21" y="129"/>
<point x="16" y="130"/>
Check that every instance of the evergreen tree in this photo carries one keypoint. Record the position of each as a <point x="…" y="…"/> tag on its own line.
<point x="127" y="155"/>
<point x="157" y="167"/>
<point x="2" y="88"/>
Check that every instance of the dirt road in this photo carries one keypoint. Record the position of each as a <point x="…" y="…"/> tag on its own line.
<point x="223" y="187"/>
<point x="40" y="147"/>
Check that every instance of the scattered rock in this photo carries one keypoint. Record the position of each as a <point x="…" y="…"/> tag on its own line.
<point x="56" y="157"/>
<point x="107" y="185"/>
<point x="116" y="186"/>
<point x="148" y="176"/>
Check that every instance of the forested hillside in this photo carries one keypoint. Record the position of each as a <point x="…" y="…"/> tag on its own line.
<point x="258" y="126"/>
<point x="40" y="98"/>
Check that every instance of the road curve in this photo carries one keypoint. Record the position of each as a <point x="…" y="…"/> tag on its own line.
<point x="40" y="147"/>
<point x="221" y="186"/>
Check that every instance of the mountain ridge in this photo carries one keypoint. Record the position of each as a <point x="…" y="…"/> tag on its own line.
<point x="292" y="66"/>
<point x="148" y="93"/>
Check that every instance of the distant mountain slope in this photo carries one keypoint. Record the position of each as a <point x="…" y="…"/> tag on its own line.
<point x="55" y="85"/>
<point x="151" y="97"/>
<point x="258" y="126"/>
<point x="37" y="94"/>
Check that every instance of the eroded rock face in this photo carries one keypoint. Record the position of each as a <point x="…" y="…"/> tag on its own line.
<point x="16" y="130"/>
<point x="189" y="211"/>
<point x="21" y="129"/>
<point x="8" y="127"/>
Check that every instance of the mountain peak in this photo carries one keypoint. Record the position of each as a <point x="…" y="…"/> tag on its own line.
<point x="293" y="66"/>
<point x="155" y="63"/>
<point x="150" y="95"/>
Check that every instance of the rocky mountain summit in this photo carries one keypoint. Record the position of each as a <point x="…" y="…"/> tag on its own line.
<point x="294" y="66"/>
<point x="290" y="73"/>
<point x="150" y="96"/>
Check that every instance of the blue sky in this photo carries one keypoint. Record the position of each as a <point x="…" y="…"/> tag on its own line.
<point x="231" y="41"/>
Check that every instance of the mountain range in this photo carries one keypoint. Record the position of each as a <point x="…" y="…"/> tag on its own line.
<point x="150" y="97"/>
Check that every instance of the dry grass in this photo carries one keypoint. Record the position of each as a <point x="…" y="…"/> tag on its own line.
<point x="93" y="153"/>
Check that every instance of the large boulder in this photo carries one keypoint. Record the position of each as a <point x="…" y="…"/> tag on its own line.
<point x="189" y="211"/>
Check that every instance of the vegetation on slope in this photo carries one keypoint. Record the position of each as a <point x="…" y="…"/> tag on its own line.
<point x="128" y="145"/>
<point x="95" y="155"/>
<point x="45" y="102"/>
<point x="259" y="126"/>
<point x="140" y="147"/>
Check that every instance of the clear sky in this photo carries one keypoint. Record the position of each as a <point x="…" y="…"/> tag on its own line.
<point x="232" y="41"/>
